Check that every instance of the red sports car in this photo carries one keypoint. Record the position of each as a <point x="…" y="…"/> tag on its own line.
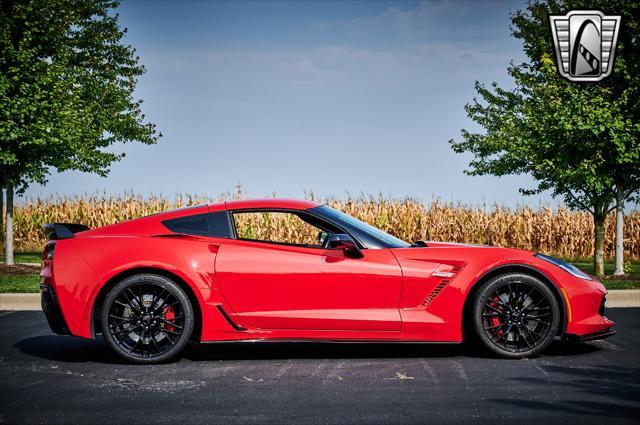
<point x="296" y="270"/>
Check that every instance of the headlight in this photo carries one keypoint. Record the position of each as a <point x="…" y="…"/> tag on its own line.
<point x="569" y="268"/>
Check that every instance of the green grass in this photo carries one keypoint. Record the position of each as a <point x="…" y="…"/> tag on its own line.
<point x="612" y="283"/>
<point x="24" y="257"/>
<point x="608" y="267"/>
<point x="21" y="284"/>
<point x="622" y="284"/>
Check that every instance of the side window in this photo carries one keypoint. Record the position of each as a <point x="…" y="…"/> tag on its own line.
<point x="278" y="227"/>
<point x="212" y="224"/>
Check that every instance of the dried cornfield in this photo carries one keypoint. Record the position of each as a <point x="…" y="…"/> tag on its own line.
<point x="560" y="232"/>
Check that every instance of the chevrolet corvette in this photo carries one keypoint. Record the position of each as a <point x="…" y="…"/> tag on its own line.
<point x="236" y="271"/>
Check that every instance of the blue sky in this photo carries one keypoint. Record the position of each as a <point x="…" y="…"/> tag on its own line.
<point x="329" y="97"/>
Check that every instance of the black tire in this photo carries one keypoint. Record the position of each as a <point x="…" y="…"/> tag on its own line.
<point x="515" y="315"/>
<point x="147" y="318"/>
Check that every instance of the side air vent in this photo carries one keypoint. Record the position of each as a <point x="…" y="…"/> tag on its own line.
<point x="233" y="324"/>
<point x="436" y="291"/>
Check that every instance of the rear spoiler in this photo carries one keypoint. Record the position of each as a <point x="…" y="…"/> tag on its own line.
<point x="55" y="231"/>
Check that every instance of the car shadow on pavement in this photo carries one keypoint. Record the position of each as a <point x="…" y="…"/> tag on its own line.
<point x="345" y="350"/>
<point x="617" y="386"/>
<point x="274" y="350"/>
<point x="78" y="350"/>
<point x="67" y="349"/>
<point x="570" y="349"/>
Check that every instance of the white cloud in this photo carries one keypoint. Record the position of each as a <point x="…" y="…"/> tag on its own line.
<point x="427" y="17"/>
<point x="400" y="47"/>
<point x="333" y="65"/>
<point x="407" y="21"/>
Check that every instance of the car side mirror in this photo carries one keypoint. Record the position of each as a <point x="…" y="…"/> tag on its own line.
<point x="322" y="236"/>
<point x="346" y="244"/>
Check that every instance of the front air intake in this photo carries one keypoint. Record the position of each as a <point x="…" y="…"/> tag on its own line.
<point x="436" y="291"/>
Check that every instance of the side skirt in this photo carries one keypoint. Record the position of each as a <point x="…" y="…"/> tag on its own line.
<point x="329" y="341"/>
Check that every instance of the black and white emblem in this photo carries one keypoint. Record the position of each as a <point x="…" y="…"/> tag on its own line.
<point x="585" y="43"/>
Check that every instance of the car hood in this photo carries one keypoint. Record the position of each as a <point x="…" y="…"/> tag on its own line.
<point x="451" y="252"/>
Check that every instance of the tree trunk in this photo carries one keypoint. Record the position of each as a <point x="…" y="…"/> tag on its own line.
<point x="598" y="254"/>
<point x="8" y="244"/>
<point x="619" y="233"/>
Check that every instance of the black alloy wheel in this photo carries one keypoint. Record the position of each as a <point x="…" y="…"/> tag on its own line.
<point x="516" y="315"/>
<point x="147" y="318"/>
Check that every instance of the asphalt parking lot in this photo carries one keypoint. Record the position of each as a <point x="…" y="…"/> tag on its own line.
<point x="53" y="379"/>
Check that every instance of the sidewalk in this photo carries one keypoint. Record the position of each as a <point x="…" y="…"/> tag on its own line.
<point x="615" y="298"/>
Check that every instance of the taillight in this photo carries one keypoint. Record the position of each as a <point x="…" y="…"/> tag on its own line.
<point x="47" y="254"/>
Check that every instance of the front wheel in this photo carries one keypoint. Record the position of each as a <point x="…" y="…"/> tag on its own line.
<point x="147" y="318"/>
<point x="516" y="315"/>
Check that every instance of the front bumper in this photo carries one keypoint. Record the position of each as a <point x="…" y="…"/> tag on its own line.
<point x="51" y="309"/>
<point x="592" y="337"/>
<point x="589" y="322"/>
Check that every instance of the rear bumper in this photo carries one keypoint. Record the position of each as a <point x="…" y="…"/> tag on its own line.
<point x="51" y="309"/>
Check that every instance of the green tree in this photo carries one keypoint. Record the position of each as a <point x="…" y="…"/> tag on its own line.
<point x="578" y="140"/>
<point x="66" y="92"/>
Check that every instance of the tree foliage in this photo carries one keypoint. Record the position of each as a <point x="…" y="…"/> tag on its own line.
<point x="67" y="81"/>
<point x="581" y="141"/>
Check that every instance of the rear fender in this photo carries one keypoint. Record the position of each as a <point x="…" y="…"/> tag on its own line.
<point x="190" y="261"/>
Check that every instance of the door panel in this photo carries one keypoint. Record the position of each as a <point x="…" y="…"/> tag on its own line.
<point x="270" y="286"/>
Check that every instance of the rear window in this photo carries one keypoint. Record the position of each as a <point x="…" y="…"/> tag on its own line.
<point x="212" y="224"/>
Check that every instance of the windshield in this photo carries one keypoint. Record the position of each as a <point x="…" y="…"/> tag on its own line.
<point x="382" y="239"/>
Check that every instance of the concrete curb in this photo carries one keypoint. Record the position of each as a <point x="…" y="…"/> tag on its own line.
<point x="615" y="298"/>
<point x="20" y="302"/>
<point x="623" y="298"/>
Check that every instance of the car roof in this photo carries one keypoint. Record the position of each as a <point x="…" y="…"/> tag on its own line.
<point x="152" y="224"/>
<point x="287" y="204"/>
<point x="246" y="204"/>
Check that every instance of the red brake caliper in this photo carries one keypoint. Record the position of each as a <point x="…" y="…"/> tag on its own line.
<point x="169" y="315"/>
<point x="495" y="320"/>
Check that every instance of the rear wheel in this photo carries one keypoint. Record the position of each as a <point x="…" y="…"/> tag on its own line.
<point x="147" y="318"/>
<point x="516" y="315"/>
